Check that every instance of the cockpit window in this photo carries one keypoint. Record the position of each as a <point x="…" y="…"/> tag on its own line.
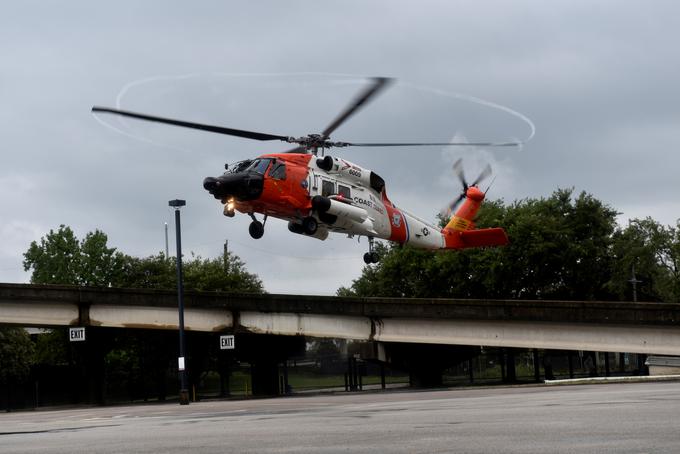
<point x="260" y="165"/>
<point x="278" y="171"/>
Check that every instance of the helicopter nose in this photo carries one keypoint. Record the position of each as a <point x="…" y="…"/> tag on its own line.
<point x="221" y="187"/>
<point x="240" y="186"/>
<point x="210" y="184"/>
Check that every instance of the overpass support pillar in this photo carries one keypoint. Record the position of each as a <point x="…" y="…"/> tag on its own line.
<point x="537" y="366"/>
<point x="89" y="359"/>
<point x="510" y="370"/>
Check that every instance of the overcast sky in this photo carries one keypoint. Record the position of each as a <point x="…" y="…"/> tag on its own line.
<point x="598" y="79"/>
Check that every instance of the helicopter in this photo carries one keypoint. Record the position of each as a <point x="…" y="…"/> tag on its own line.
<point x="318" y="193"/>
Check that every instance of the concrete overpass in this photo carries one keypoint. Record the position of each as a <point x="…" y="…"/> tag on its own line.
<point x="652" y="328"/>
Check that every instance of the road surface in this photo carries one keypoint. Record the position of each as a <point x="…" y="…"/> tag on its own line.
<point x="611" y="418"/>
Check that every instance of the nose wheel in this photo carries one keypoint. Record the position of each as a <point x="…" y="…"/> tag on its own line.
<point x="371" y="256"/>
<point x="256" y="228"/>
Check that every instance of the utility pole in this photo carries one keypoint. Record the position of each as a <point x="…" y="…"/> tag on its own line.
<point x="640" y="357"/>
<point x="633" y="280"/>
<point x="226" y="255"/>
<point x="167" y="250"/>
<point x="183" y="390"/>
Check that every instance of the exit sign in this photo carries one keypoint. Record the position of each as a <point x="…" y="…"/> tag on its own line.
<point x="227" y="342"/>
<point x="76" y="334"/>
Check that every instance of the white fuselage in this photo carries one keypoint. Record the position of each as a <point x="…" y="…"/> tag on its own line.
<point x="361" y="209"/>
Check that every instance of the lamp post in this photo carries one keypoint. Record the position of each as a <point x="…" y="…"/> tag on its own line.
<point x="635" y="281"/>
<point x="183" y="389"/>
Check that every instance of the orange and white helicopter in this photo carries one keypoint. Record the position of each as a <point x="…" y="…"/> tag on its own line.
<point x="318" y="193"/>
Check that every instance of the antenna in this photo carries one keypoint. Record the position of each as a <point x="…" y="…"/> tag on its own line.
<point x="226" y="255"/>
<point x="490" y="184"/>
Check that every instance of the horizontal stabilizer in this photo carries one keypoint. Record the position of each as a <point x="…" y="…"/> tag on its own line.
<point x="484" y="237"/>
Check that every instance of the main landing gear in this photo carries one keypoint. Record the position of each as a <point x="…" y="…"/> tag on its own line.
<point x="256" y="228"/>
<point x="371" y="256"/>
<point x="310" y="225"/>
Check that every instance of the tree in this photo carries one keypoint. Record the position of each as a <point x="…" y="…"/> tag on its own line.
<point x="156" y="272"/>
<point x="226" y="274"/>
<point x="16" y="354"/>
<point x="559" y="249"/>
<point x="218" y="274"/>
<point x="99" y="265"/>
<point x="60" y="258"/>
<point x="654" y="251"/>
<point x="56" y="259"/>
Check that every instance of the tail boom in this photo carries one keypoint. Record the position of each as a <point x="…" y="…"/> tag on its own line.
<point x="456" y="239"/>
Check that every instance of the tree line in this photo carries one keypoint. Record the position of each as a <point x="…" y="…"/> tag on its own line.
<point x="61" y="258"/>
<point x="566" y="247"/>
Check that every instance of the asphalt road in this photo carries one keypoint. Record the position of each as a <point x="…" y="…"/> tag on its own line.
<point x="612" y="418"/>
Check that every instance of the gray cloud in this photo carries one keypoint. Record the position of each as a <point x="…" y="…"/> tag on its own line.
<point x="598" y="80"/>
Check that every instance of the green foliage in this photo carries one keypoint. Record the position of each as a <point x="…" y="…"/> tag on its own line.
<point x="98" y="264"/>
<point x="218" y="274"/>
<point x="16" y="354"/>
<point x="56" y="259"/>
<point x="654" y="251"/>
<point x="559" y="249"/>
<point x="52" y="347"/>
<point x="227" y="274"/>
<point x="324" y="348"/>
<point x="154" y="272"/>
<point x="60" y="258"/>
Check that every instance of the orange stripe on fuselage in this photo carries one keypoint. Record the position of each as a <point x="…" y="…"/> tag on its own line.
<point x="399" y="232"/>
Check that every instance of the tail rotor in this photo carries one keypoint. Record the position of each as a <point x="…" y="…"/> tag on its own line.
<point x="458" y="171"/>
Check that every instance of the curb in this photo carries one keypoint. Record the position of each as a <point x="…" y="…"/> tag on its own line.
<point x="604" y="380"/>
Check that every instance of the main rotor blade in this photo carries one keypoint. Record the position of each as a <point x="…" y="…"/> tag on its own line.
<point x="458" y="170"/>
<point x="427" y="144"/>
<point x="378" y="84"/>
<point x="187" y="124"/>
<point x="482" y="176"/>
<point x="298" y="150"/>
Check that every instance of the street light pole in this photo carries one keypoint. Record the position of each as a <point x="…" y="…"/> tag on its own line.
<point x="167" y="249"/>
<point x="183" y="390"/>
<point x="635" y="281"/>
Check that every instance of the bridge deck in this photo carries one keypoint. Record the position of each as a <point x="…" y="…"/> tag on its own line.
<point x="578" y="325"/>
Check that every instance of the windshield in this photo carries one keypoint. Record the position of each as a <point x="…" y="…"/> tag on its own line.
<point x="238" y="166"/>
<point x="259" y="165"/>
<point x="278" y="171"/>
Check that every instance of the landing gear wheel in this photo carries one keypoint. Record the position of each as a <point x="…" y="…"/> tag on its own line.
<point x="309" y="225"/>
<point x="371" y="256"/>
<point x="256" y="229"/>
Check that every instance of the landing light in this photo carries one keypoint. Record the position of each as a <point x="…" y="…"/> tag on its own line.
<point x="229" y="208"/>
